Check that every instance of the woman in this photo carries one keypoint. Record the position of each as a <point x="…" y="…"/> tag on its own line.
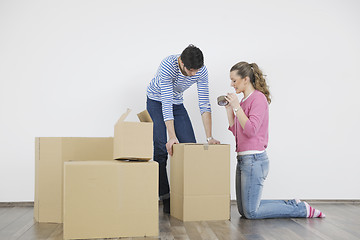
<point x="249" y="120"/>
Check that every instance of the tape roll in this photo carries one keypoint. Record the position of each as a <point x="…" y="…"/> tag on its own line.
<point x="222" y="101"/>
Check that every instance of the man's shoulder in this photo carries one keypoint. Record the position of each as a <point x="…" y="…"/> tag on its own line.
<point x="203" y="69"/>
<point x="172" y="59"/>
<point x="202" y="73"/>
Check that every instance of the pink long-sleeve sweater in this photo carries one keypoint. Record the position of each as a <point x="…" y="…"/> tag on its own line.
<point x="255" y="134"/>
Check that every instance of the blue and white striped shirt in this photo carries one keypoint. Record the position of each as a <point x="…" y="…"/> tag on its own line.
<point x="169" y="83"/>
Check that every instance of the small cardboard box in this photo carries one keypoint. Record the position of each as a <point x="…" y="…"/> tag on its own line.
<point x="110" y="199"/>
<point x="50" y="155"/>
<point x="200" y="182"/>
<point x="134" y="140"/>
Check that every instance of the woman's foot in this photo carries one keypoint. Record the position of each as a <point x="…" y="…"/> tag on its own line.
<point x="312" y="212"/>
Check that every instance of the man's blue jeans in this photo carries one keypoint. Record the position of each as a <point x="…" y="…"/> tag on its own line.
<point x="251" y="172"/>
<point x="184" y="133"/>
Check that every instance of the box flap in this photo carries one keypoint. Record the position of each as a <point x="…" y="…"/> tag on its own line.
<point x="122" y="118"/>
<point x="144" y="116"/>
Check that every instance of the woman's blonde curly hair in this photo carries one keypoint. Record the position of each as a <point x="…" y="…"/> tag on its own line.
<point x="256" y="76"/>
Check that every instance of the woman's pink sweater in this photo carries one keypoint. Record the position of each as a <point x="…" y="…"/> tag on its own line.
<point x="255" y="134"/>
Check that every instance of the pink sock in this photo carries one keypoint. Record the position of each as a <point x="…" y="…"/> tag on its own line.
<point x="312" y="212"/>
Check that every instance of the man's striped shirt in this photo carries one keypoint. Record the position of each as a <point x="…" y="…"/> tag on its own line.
<point x="169" y="84"/>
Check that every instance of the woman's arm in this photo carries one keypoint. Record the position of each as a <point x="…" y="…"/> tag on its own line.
<point x="242" y="117"/>
<point x="230" y="115"/>
<point x="234" y="104"/>
<point x="251" y="124"/>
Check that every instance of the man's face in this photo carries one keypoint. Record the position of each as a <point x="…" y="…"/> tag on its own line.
<point x="190" y="72"/>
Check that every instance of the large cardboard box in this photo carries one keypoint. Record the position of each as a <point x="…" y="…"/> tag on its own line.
<point x="134" y="140"/>
<point x="200" y="182"/>
<point x="110" y="199"/>
<point x="50" y="155"/>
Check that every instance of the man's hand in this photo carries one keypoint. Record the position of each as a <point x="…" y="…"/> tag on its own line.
<point x="169" y="145"/>
<point x="214" y="141"/>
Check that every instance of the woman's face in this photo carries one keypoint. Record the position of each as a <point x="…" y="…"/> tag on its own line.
<point x="237" y="82"/>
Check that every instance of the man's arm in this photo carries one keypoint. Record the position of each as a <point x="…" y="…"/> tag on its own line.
<point x="166" y="73"/>
<point x="172" y="136"/>
<point x="204" y="105"/>
<point x="206" y="119"/>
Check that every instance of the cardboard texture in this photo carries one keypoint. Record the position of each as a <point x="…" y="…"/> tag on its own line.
<point x="110" y="199"/>
<point x="144" y="116"/>
<point x="50" y="155"/>
<point x="134" y="140"/>
<point x="200" y="182"/>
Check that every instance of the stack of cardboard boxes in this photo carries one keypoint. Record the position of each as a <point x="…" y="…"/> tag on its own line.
<point x="50" y="155"/>
<point x="80" y="182"/>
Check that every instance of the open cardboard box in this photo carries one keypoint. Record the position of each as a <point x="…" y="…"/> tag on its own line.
<point x="134" y="140"/>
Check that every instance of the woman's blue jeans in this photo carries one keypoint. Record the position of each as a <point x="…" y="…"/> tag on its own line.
<point x="184" y="133"/>
<point x="251" y="172"/>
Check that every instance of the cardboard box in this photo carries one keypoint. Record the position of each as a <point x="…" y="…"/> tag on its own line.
<point x="110" y="199"/>
<point x="50" y="155"/>
<point x="134" y="140"/>
<point x="200" y="182"/>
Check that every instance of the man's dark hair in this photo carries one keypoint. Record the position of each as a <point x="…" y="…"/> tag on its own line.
<point x="192" y="57"/>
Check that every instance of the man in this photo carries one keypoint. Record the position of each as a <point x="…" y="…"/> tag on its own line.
<point x="165" y="106"/>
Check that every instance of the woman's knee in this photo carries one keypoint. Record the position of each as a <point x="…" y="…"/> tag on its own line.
<point x="250" y="214"/>
<point x="240" y="210"/>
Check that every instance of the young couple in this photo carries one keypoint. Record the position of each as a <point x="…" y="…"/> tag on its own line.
<point x="248" y="121"/>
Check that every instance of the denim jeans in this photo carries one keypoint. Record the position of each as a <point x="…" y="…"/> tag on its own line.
<point x="184" y="133"/>
<point x="251" y="172"/>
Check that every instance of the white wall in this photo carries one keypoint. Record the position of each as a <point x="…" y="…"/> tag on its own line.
<point x="70" y="68"/>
